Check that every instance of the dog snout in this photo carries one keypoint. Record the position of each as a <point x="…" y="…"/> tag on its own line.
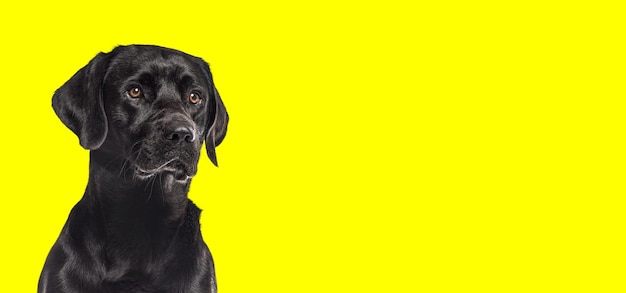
<point x="179" y="131"/>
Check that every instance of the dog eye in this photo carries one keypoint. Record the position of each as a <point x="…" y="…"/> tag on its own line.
<point x="135" y="92"/>
<point x="194" y="98"/>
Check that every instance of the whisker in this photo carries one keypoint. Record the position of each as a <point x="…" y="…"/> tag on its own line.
<point x="162" y="197"/>
<point x="151" y="183"/>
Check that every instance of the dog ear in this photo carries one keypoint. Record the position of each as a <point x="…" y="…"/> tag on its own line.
<point x="78" y="103"/>
<point x="218" y="122"/>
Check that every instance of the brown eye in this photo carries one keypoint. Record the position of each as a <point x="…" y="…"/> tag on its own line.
<point x="135" y="92"/>
<point x="194" y="98"/>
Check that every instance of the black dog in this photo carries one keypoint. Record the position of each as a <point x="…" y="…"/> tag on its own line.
<point x="143" y="111"/>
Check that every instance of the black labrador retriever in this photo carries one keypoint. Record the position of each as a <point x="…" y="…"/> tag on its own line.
<point x="143" y="112"/>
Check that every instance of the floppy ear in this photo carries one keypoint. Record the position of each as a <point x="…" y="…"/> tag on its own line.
<point x="78" y="103"/>
<point x="218" y="122"/>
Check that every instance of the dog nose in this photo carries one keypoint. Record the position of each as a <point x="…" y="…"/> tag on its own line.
<point x="179" y="133"/>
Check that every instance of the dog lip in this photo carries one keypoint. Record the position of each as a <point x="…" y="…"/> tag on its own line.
<point x="179" y="170"/>
<point x="173" y="166"/>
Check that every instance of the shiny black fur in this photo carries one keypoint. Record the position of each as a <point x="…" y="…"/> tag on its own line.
<point x="135" y="230"/>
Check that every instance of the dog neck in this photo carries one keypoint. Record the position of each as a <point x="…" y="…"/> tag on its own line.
<point x="145" y="213"/>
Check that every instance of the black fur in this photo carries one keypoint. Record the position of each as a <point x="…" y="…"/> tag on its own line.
<point x="135" y="230"/>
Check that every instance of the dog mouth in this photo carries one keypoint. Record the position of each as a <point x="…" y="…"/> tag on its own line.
<point x="175" y="167"/>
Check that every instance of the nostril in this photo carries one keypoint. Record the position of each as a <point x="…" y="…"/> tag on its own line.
<point x="173" y="136"/>
<point x="190" y="137"/>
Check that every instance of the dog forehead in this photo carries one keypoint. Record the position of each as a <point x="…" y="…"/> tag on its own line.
<point x="159" y="62"/>
<point x="143" y="59"/>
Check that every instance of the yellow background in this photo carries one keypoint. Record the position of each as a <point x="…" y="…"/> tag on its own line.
<point x="374" y="146"/>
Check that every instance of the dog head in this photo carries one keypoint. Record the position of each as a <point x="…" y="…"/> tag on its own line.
<point x="154" y="106"/>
